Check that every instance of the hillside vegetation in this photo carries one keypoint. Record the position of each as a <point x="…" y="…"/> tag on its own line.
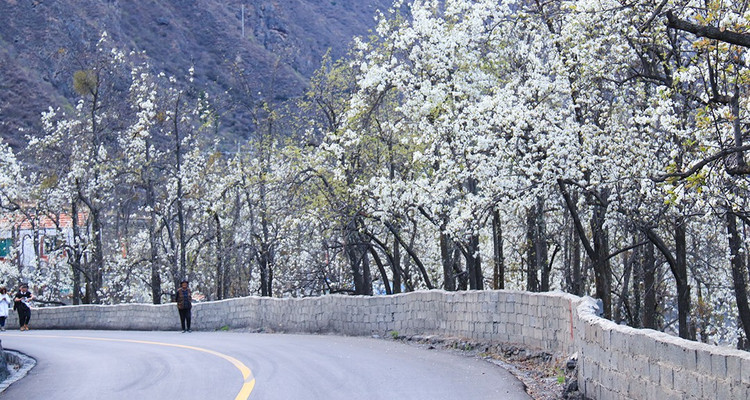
<point x="42" y="43"/>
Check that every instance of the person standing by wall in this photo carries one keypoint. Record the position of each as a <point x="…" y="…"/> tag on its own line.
<point x="22" y="304"/>
<point x="5" y="302"/>
<point x="184" y="305"/>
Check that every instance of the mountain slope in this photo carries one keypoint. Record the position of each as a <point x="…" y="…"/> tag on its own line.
<point x="42" y="42"/>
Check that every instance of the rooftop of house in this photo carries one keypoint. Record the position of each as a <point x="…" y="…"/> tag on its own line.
<point x="17" y="221"/>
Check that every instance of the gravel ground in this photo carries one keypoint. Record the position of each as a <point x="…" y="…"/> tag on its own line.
<point x="541" y="372"/>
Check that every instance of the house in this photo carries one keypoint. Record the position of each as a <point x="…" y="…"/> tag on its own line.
<point x="36" y="240"/>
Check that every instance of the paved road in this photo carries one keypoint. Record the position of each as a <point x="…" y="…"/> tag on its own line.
<point x="231" y="365"/>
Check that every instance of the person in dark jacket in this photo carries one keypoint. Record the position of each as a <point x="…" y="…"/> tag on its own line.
<point x="21" y="303"/>
<point x="184" y="305"/>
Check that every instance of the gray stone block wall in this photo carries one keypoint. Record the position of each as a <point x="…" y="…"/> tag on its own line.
<point x="615" y="362"/>
<point x="620" y="362"/>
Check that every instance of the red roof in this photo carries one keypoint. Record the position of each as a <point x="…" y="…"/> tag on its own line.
<point x="43" y="221"/>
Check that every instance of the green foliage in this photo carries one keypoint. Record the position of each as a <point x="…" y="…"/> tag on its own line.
<point x="85" y="82"/>
<point x="696" y="181"/>
<point x="49" y="182"/>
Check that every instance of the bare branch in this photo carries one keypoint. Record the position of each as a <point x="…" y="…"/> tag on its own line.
<point x="697" y="167"/>
<point x="740" y="39"/>
<point x="656" y="12"/>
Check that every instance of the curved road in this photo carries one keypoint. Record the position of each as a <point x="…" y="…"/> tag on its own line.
<point x="241" y="366"/>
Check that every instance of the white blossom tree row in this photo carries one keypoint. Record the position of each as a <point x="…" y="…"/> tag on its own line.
<point x="595" y="147"/>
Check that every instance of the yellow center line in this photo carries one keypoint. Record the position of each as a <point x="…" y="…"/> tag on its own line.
<point x="247" y="375"/>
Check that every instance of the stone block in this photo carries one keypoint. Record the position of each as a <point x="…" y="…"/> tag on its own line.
<point x="639" y="344"/>
<point x="703" y="361"/>
<point x="654" y="371"/>
<point x="723" y="389"/>
<point x="682" y="379"/>
<point x="586" y="386"/>
<point x="671" y="395"/>
<point x="744" y="373"/>
<point x="641" y="367"/>
<point x="734" y="368"/>
<point x="593" y="370"/>
<point x="708" y="386"/>
<point x="719" y="365"/>
<point x="636" y="388"/>
<point x="652" y="392"/>
<point x="620" y="381"/>
<point x="666" y="376"/>
<point x="740" y="391"/>
<point x="607" y="394"/>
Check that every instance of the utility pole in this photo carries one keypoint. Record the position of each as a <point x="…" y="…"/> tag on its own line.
<point x="243" y="21"/>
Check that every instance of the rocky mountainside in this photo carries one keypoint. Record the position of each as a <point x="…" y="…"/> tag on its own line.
<point x="42" y="43"/>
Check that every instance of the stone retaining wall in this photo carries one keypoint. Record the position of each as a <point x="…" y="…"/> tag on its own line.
<point x="620" y="362"/>
<point x="615" y="362"/>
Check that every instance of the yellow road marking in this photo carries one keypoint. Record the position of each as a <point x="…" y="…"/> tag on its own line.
<point x="247" y="375"/>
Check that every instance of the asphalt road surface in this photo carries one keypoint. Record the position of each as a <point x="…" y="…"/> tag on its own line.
<point x="233" y="365"/>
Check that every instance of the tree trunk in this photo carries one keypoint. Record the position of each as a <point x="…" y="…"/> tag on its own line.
<point x="532" y="281"/>
<point x="153" y="239"/>
<point x="97" y="252"/>
<point x="602" y="272"/>
<point x="461" y="275"/>
<point x="678" y="267"/>
<point x="449" y="281"/>
<point x="579" y="281"/>
<point x="221" y="278"/>
<point x="410" y="250"/>
<point x="154" y="257"/>
<point x="474" y="264"/>
<point x="473" y="258"/>
<point x="356" y="248"/>
<point x="267" y="247"/>
<point x="181" y="224"/>
<point x="97" y="255"/>
<point x="649" y="287"/>
<point x="598" y="253"/>
<point x="683" y="287"/>
<point x="381" y="269"/>
<point x="638" y="262"/>
<point x="622" y="301"/>
<point x="573" y="277"/>
<point x="739" y="269"/>
<point x="498" y="276"/>
<point x="542" y="255"/>
<point x="366" y="273"/>
<point x="265" y="289"/>
<point x="172" y="256"/>
<point x="76" y="254"/>
<point x="396" y="267"/>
